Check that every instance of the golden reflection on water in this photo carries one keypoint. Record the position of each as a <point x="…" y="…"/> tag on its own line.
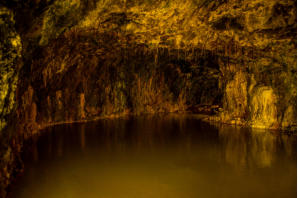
<point x="247" y="147"/>
<point x="157" y="156"/>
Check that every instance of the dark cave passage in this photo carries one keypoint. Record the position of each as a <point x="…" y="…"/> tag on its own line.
<point x="86" y="75"/>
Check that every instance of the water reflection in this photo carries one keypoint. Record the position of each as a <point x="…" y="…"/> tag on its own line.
<point x="158" y="156"/>
<point x="82" y="137"/>
<point x="244" y="148"/>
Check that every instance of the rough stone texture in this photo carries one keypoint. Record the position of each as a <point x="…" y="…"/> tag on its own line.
<point x="10" y="52"/>
<point x="147" y="56"/>
<point x="88" y="74"/>
<point x="263" y="107"/>
<point x="236" y="96"/>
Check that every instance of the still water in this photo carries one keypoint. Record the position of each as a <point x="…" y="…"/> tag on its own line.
<point x="170" y="156"/>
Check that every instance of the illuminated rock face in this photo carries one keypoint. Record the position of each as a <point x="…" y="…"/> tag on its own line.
<point x="86" y="59"/>
<point x="10" y="53"/>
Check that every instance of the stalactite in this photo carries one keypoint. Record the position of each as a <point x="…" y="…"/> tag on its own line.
<point x="230" y="48"/>
<point x="202" y="51"/>
<point x="235" y="48"/>
<point x="156" y="56"/>
<point x="228" y="60"/>
<point x="216" y="47"/>
<point x="142" y="50"/>
<point x="195" y="55"/>
<point x="252" y="53"/>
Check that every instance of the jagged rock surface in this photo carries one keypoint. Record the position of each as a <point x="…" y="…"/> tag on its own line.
<point x="10" y="54"/>
<point x="252" y="45"/>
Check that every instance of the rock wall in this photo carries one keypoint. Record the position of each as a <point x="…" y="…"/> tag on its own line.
<point x="85" y="74"/>
<point x="113" y="57"/>
<point x="261" y="93"/>
<point x="10" y="54"/>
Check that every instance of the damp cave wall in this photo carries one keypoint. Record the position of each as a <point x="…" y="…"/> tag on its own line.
<point x="84" y="59"/>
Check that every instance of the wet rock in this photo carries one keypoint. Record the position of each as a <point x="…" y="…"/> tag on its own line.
<point x="236" y="95"/>
<point x="263" y="108"/>
<point x="10" y="53"/>
<point x="289" y="118"/>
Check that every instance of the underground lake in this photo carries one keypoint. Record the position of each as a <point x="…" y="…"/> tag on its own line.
<point x="157" y="156"/>
<point x="148" y="98"/>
